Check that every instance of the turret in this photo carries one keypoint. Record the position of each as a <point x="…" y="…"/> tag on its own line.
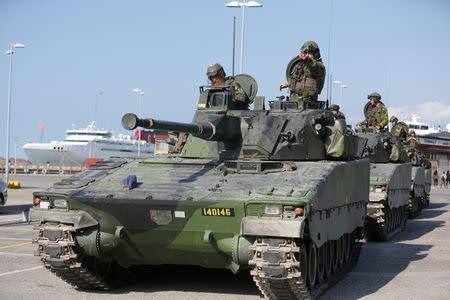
<point x="288" y="131"/>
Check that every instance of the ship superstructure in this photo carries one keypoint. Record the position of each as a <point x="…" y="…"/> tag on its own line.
<point x="89" y="142"/>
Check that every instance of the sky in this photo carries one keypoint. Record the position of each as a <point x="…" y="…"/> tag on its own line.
<point x="83" y="58"/>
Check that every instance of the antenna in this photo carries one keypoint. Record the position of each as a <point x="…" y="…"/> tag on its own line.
<point x="329" y="49"/>
<point x="234" y="42"/>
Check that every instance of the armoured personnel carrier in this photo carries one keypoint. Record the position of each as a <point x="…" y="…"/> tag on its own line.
<point x="420" y="181"/>
<point x="390" y="179"/>
<point x="278" y="192"/>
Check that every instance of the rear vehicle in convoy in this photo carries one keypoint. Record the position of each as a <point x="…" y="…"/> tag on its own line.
<point x="390" y="178"/>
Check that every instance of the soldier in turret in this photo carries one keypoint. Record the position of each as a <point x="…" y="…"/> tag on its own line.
<point x="399" y="129"/>
<point x="216" y="75"/>
<point x="375" y="112"/>
<point x="413" y="140"/>
<point x="306" y="79"/>
<point x="335" y="110"/>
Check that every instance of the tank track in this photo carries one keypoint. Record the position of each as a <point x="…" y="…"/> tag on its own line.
<point x="426" y="201"/>
<point x="415" y="206"/>
<point x="278" y="268"/>
<point x="382" y="222"/>
<point x="57" y="249"/>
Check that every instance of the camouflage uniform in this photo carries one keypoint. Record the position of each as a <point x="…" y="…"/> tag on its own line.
<point x="306" y="79"/>
<point x="239" y="94"/>
<point x="338" y="115"/>
<point x="240" y="98"/>
<point x="375" y="115"/>
<point x="415" y="142"/>
<point x="401" y="130"/>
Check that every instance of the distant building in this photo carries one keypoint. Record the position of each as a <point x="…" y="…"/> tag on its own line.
<point x="436" y="147"/>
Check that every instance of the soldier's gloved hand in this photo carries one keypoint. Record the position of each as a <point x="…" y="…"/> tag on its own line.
<point x="358" y="124"/>
<point x="377" y="127"/>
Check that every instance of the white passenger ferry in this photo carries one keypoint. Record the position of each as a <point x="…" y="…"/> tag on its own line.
<point x="420" y="128"/>
<point x="90" y="142"/>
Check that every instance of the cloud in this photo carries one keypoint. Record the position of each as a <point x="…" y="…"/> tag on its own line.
<point x="431" y="112"/>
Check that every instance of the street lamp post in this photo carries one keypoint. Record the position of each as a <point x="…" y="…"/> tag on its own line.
<point x="140" y="94"/>
<point x="243" y="5"/>
<point x="10" y="52"/>
<point x="341" y="86"/>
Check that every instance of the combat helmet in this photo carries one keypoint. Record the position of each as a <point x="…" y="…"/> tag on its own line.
<point x="334" y="107"/>
<point x="215" y="70"/>
<point x="375" y="96"/>
<point x="311" y="47"/>
<point x="393" y="119"/>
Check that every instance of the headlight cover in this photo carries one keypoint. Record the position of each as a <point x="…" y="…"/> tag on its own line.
<point x="272" y="210"/>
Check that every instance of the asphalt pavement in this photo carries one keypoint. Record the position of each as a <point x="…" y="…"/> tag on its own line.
<point x="413" y="265"/>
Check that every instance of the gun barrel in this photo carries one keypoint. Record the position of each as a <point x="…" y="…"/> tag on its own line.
<point x="202" y="130"/>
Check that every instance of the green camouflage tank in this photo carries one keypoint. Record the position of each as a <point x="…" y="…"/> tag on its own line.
<point x="390" y="173"/>
<point x="420" y="181"/>
<point x="279" y="193"/>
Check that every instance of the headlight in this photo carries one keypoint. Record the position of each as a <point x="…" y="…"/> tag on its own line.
<point x="61" y="203"/>
<point x="271" y="210"/>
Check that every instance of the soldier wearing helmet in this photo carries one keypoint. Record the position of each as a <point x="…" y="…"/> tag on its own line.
<point x="413" y="140"/>
<point x="216" y="75"/>
<point x="307" y="76"/>
<point x="375" y="112"/>
<point x="337" y="114"/>
<point x="399" y="129"/>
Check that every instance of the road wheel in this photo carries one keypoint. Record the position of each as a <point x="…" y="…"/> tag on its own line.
<point x="312" y="265"/>
<point x="321" y="263"/>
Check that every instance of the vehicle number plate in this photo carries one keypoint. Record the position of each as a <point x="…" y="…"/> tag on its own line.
<point x="218" y="212"/>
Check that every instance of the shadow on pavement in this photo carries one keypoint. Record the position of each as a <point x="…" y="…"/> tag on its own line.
<point x="378" y="265"/>
<point x="14" y="209"/>
<point x="429" y="214"/>
<point x="436" y="205"/>
<point x="417" y="228"/>
<point x="188" y="279"/>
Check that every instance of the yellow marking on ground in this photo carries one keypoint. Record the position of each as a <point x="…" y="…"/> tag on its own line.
<point x="4" y="247"/>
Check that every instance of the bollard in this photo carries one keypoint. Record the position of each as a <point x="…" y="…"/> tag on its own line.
<point x="14" y="185"/>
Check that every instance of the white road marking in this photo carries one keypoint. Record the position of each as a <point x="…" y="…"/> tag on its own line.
<point x="12" y="221"/>
<point x="20" y="271"/>
<point x="16" y="254"/>
<point x="403" y="274"/>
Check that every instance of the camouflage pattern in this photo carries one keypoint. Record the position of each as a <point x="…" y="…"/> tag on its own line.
<point x="420" y="180"/>
<point x="376" y="96"/>
<point x="400" y="129"/>
<point x="337" y="114"/>
<point x="239" y="94"/>
<point x="390" y="171"/>
<point x="417" y="193"/>
<point x="249" y="190"/>
<point x="375" y="115"/>
<point x="311" y="47"/>
<point x="414" y="141"/>
<point x="215" y="70"/>
<point x="340" y="115"/>
<point x="334" y="107"/>
<point x="305" y="78"/>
